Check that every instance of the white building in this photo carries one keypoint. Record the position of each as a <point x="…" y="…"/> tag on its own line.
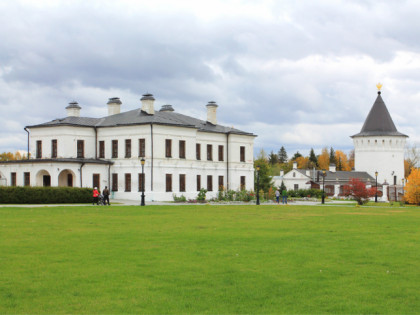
<point x="182" y="154"/>
<point x="379" y="146"/>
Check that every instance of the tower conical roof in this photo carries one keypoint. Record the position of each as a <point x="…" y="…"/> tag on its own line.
<point x="379" y="121"/>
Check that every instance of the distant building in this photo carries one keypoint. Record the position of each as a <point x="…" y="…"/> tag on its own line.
<point x="379" y="149"/>
<point x="182" y="154"/>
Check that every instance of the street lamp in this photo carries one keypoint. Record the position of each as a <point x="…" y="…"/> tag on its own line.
<point x="324" y="173"/>
<point x="258" y="185"/>
<point x="376" y="190"/>
<point x="142" y="161"/>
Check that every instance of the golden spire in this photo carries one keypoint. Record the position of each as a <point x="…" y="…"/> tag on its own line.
<point x="379" y="86"/>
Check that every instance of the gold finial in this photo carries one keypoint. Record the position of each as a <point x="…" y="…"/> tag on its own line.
<point x="379" y="86"/>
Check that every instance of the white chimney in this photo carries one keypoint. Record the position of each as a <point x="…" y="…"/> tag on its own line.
<point x="114" y="106"/>
<point x="73" y="110"/>
<point x="332" y="167"/>
<point x="281" y="173"/>
<point x="211" y="112"/>
<point x="147" y="104"/>
<point x="294" y="165"/>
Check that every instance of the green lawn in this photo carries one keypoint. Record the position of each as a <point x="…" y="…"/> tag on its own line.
<point x="210" y="259"/>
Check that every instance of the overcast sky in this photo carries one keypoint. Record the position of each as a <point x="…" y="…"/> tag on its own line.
<point x="299" y="74"/>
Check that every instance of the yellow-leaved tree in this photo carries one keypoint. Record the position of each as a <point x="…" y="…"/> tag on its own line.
<point x="342" y="161"/>
<point x="412" y="188"/>
<point x="302" y="162"/>
<point x="324" y="160"/>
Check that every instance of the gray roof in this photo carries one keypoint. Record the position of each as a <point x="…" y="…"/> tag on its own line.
<point x="337" y="176"/>
<point x="59" y="160"/>
<point x="139" y="117"/>
<point x="379" y="122"/>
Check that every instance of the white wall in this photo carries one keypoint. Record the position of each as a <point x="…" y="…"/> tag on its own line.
<point x="382" y="154"/>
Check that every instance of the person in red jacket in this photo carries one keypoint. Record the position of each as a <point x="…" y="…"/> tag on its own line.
<point x="95" y="195"/>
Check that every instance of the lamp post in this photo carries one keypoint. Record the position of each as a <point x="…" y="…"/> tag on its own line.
<point x="258" y="185"/>
<point x="324" y="173"/>
<point x="376" y="184"/>
<point x="142" y="161"/>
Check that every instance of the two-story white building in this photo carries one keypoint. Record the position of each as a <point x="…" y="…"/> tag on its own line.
<point x="182" y="154"/>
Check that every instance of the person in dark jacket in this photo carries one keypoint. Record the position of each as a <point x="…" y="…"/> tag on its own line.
<point x="105" y="193"/>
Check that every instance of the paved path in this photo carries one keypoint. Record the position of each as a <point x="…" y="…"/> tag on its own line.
<point x="121" y="202"/>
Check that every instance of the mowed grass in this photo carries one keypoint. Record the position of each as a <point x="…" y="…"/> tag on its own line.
<point x="210" y="259"/>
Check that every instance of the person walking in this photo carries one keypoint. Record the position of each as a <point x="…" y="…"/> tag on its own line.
<point x="284" y="195"/>
<point x="277" y="196"/>
<point x="105" y="193"/>
<point x="95" y="195"/>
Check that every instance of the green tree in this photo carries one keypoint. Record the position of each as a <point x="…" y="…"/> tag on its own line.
<point x="313" y="160"/>
<point x="265" y="180"/>
<point x="273" y="158"/>
<point x="332" y="156"/>
<point x="282" y="155"/>
<point x="297" y="155"/>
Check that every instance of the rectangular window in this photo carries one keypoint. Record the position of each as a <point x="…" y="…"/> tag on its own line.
<point x="220" y="153"/>
<point x="128" y="148"/>
<point x="181" y="149"/>
<point x="127" y="182"/>
<point x="142" y="182"/>
<point x="296" y="187"/>
<point x="242" y="154"/>
<point x="221" y="183"/>
<point x="209" y="183"/>
<point x="101" y="149"/>
<point x="54" y="148"/>
<point x="198" y="151"/>
<point x="243" y="183"/>
<point x="80" y="149"/>
<point x="168" y="148"/>
<point x="96" y="179"/>
<point x="168" y="182"/>
<point x="27" y="179"/>
<point x="39" y="149"/>
<point x="114" y="149"/>
<point x="13" y="179"/>
<point x="114" y="182"/>
<point x="142" y="147"/>
<point x="182" y="182"/>
<point x="209" y="152"/>
<point x="198" y="182"/>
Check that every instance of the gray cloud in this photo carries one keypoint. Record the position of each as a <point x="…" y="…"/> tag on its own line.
<point x="299" y="74"/>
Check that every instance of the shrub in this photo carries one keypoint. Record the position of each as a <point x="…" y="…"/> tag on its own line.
<point x="202" y="195"/>
<point x="181" y="198"/>
<point x="44" y="195"/>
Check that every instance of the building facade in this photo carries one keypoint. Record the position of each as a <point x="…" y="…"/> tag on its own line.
<point x="182" y="154"/>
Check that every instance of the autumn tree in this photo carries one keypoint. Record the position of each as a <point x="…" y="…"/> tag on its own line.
<point x="9" y="156"/>
<point x="357" y="189"/>
<point x="302" y="162"/>
<point x="342" y="162"/>
<point x="411" y="159"/>
<point x="324" y="160"/>
<point x="412" y="188"/>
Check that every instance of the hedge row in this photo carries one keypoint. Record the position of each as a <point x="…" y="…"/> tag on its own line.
<point x="44" y="195"/>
